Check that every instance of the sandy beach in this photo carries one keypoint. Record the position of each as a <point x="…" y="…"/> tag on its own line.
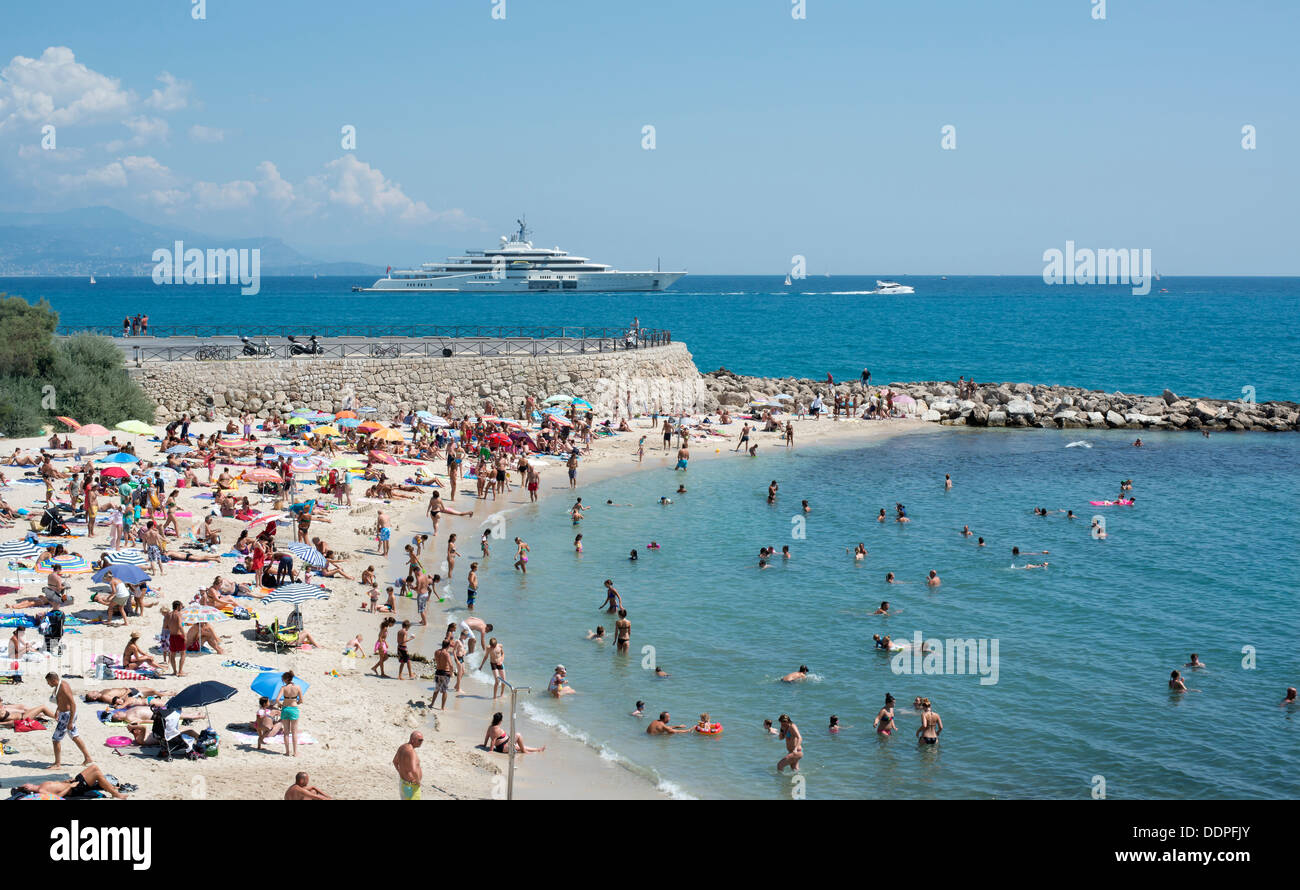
<point x="356" y="719"/>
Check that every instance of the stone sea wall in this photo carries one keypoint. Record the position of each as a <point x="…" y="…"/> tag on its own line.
<point x="663" y="376"/>
<point x="1028" y="405"/>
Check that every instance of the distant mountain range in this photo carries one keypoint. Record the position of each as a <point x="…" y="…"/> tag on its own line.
<point x="104" y="241"/>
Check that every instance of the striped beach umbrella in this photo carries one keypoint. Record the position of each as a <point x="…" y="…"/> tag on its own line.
<point x="348" y="423"/>
<point x="126" y="558"/>
<point x="68" y="422"/>
<point x="258" y="475"/>
<point x="296" y="593"/>
<point x="267" y="517"/>
<point x="305" y="464"/>
<point x="295" y="449"/>
<point x="180" y="449"/>
<point x="20" y="549"/>
<point x="383" y="457"/>
<point x="307" y="554"/>
<point x="70" y="563"/>
<point x="194" y="614"/>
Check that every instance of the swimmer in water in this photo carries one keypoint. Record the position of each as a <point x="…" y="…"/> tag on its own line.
<point x="613" y="602"/>
<point x="640" y="709"/>
<point x="612" y="504"/>
<point x="880" y="517"/>
<point x="966" y="532"/>
<point x="933" y="580"/>
<point x="660" y="672"/>
<point x="1195" y="662"/>
<point x="1137" y="444"/>
<point x="653" y="545"/>
<point x="681" y="489"/>
<point x="1176" y="683"/>
<point x="785" y="552"/>
<point x="1033" y="565"/>
<point x="768" y="727"/>
<point x="947" y="482"/>
<point x="771" y="492"/>
<point x="1069" y="514"/>
<point x="901" y="512"/>
<point x="884" y="722"/>
<point x="860" y="551"/>
<point x="805" y="507"/>
<point x="577" y="544"/>
<point x="1290" y="697"/>
<point x="665" y="500"/>
<point x="884" y="644"/>
<point x="598" y="634"/>
<point x="890" y="579"/>
<point x="796" y="676"/>
<point x="1097" y="530"/>
<point x="632" y="556"/>
<point x="979" y="543"/>
<point x="835" y="724"/>
<point x="884" y="608"/>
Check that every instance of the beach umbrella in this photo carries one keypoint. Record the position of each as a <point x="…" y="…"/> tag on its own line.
<point x="784" y="397"/>
<point x="900" y="399"/>
<point x="119" y="457"/>
<point x="555" y="399"/>
<point x="560" y="421"/>
<point x="296" y="593"/>
<point x="389" y="435"/>
<point x="258" y="475"/>
<point x="370" y="426"/>
<point x="581" y="403"/>
<point x="297" y="421"/>
<point x="327" y="430"/>
<point x="305" y="464"/>
<point x="295" y="449"/>
<point x="180" y="449"/>
<point x="437" y="420"/>
<point x="269" y="684"/>
<point x="126" y="558"/>
<point x="70" y="563"/>
<point x="127" y="574"/>
<point x="195" y="614"/>
<point x="500" y="439"/>
<point x="348" y="423"/>
<point x="201" y="695"/>
<point x="345" y="415"/>
<point x="368" y="410"/>
<point x="92" y="430"/>
<point x="506" y="421"/>
<point x="68" y="422"/>
<point x="383" y="457"/>
<point x="347" y="463"/>
<point x="425" y="415"/>
<point x="20" y="549"/>
<point x="307" y="554"/>
<point x="267" y="517"/>
<point x="114" y="472"/>
<point x="139" y="427"/>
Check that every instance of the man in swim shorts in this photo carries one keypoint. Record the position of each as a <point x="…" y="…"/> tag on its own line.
<point x="66" y="719"/>
<point x="409" y="772"/>
<point x="444" y="665"/>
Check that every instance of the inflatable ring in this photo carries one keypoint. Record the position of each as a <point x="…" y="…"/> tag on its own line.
<point x="714" y="729"/>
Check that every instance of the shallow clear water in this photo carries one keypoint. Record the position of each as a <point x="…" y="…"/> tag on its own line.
<point x="1206" y="337"/>
<point x="1085" y="648"/>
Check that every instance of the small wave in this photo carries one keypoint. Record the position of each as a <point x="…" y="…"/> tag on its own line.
<point x="1079" y="444"/>
<point x="851" y="293"/>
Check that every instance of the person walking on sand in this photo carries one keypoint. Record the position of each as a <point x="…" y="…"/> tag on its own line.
<point x="572" y="464"/>
<point x="289" y="700"/>
<point x="793" y="744"/>
<point x="175" y="638"/>
<point x="382" y="532"/>
<point x="403" y="653"/>
<point x="65" y="724"/>
<point x="443" y="666"/>
<point x="640" y="450"/>
<point x="744" y="438"/>
<point x="407" y="763"/>
<point x="381" y="647"/>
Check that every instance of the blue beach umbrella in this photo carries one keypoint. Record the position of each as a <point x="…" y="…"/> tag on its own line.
<point x="348" y="422"/>
<point x="367" y="410"/>
<point x="119" y="457"/>
<point x="127" y="574"/>
<point x="180" y="449"/>
<point x="269" y="684"/>
<point x="308" y="555"/>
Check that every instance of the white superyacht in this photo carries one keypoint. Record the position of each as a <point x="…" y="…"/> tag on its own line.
<point x="516" y="265"/>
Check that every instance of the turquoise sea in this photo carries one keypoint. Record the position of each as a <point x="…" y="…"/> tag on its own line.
<point x="1206" y="336"/>
<point x="1200" y="564"/>
<point x="1203" y="563"/>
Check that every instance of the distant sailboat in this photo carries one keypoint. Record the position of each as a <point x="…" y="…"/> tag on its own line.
<point x="787" y="281"/>
<point x="92" y="279"/>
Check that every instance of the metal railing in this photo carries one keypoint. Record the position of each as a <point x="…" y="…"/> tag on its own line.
<point x="510" y="743"/>
<point x="646" y="336"/>
<point x="431" y="347"/>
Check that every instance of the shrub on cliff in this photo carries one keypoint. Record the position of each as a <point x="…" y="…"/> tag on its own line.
<point x="82" y="376"/>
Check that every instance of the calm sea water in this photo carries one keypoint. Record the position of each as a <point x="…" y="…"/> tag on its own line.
<point x="1084" y="648"/>
<point x="1206" y="336"/>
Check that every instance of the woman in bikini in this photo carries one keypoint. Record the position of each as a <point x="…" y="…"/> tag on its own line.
<point x="497" y="739"/>
<point x="381" y="646"/>
<point x="290" y="702"/>
<point x="452" y="553"/>
<point x="134" y="658"/>
<point x="931" y="725"/>
<point x="884" y="722"/>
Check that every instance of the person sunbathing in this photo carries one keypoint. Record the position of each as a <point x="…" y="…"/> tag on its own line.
<point x="135" y="714"/>
<point x="134" y="658"/>
<point x="202" y="633"/>
<point x="213" y="597"/>
<point x="267" y="722"/>
<point x="191" y="556"/>
<point x="91" y="778"/>
<point x="22" y="459"/>
<point x="11" y="713"/>
<point x="112" y="692"/>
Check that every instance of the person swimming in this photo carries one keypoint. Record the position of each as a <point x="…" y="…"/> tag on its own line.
<point x="796" y="676"/>
<point x="632" y="556"/>
<point x="835" y="724"/>
<point x="884" y="722"/>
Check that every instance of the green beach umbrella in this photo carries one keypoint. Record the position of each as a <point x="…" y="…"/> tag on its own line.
<point x="139" y="427"/>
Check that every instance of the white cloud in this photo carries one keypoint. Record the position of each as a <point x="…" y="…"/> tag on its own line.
<point x="274" y="187"/>
<point x="57" y="89"/>
<point x="355" y="185"/>
<point x="225" y="195"/>
<point x="108" y="176"/>
<point x="167" y="199"/>
<point x="174" y="95"/>
<point x="144" y="130"/>
<point x="200" y="133"/>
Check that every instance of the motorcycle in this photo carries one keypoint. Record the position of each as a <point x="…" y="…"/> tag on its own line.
<point x="310" y="348"/>
<point x="251" y="348"/>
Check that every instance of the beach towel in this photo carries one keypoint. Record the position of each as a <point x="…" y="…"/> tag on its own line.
<point x="244" y="665"/>
<point x="124" y="674"/>
<point x="251" y="739"/>
<point x="28" y="725"/>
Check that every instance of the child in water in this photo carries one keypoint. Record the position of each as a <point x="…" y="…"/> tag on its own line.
<point x="835" y="724"/>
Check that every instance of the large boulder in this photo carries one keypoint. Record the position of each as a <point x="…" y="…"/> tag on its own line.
<point x="931" y="416"/>
<point x="1205" y="410"/>
<point x="1169" y="397"/>
<point x="1114" y="419"/>
<point x="1020" y="408"/>
<point x="997" y="418"/>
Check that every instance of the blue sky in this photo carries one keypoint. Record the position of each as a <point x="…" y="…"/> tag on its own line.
<point x="774" y="136"/>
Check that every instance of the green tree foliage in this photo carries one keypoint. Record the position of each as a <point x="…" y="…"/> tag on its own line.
<point x="83" y="376"/>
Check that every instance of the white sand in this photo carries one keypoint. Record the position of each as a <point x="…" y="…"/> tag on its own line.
<point x="357" y="718"/>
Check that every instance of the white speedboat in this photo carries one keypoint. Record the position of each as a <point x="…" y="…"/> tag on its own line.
<point x="516" y="265"/>
<point x="892" y="287"/>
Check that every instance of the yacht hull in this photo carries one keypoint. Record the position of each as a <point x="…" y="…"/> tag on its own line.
<point x="605" y="282"/>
